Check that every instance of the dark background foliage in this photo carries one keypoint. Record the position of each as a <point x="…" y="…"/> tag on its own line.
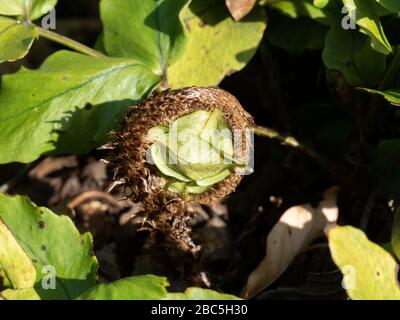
<point x="292" y="92"/>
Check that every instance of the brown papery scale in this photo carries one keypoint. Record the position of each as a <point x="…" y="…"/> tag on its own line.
<point x="166" y="211"/>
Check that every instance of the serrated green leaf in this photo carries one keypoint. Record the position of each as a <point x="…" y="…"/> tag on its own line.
<point x="368" y="20"/>
<point x="146" y="287"/>
<point x="370" y="272"/>
<point x="20" y="7"/>
<point x="149" y="31"/>
<point x="349" y="52"/>
<point x="15" y="39"/>
<point x="216" y="44"/>
<point x="52" y="243"/>
<point x="68" y="105"/>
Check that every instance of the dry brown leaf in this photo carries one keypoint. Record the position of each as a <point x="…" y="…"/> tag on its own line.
<point x="240" y="8"/>
<point x="297" y="228"/>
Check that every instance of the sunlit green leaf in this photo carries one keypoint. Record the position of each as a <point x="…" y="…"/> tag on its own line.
<point x="297" y="8"/>
<point x="149" y="31"/>
<point x="366" y="17"/>
<point x="216" y="44"/>
<point x="16" y="266"/>
<point x="320" y="3"/>
<point x="53" y="246"/>
<point x="393" y="96"/>
<point x="15" y="39"/>
<point x="37" y="9"/>
<point x="81" y="102"/>
<point x="148" y="287"/>
<point x="370" y="272"/>
<point x="19" y="294"/>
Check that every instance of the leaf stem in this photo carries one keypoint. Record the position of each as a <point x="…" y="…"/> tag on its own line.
<point x="288" y="141"/>
<point x="390" y="72"/>
<point x="26" y="9"/>
<point x="68" y="42"/>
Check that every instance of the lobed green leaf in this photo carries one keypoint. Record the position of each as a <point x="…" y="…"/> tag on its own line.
<point x="40" y="243"/>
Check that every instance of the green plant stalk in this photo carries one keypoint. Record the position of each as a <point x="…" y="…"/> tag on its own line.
<point x="288" y="141"/>
<point x="26" y="10"/>
<point x="391" y="70"/>
<point x="272" y="134"/>
<point x="70" y="43"/>
<point x="389" y="74"/>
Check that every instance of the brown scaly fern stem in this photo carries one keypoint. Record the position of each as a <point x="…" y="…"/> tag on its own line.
<point x="164" y="210"/>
